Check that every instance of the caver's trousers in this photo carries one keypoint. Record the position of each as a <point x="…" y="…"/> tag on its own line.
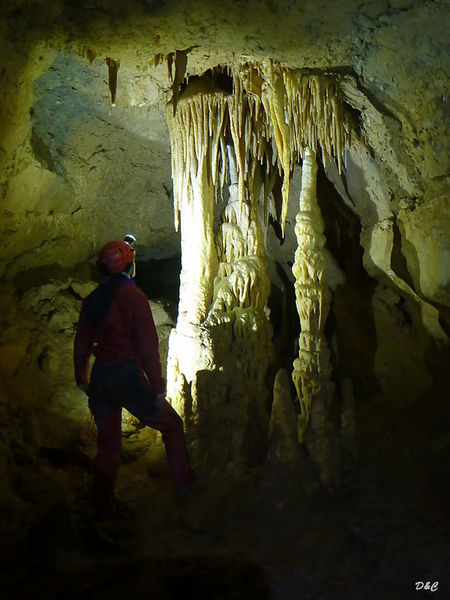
<point x="112" y="388"/>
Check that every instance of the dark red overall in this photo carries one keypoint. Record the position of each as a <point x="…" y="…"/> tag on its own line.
<point x="126" y="373"/>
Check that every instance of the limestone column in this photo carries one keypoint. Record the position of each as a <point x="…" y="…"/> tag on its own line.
<point x="189" y="345"/>
<point x="198" y="254"/>
<point x="312" y="368"/>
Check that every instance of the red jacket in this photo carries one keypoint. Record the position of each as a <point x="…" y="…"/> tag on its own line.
<point x="128" y="331"/>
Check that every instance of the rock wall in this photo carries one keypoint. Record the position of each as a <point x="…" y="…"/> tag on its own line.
<point x="91" y="172"/>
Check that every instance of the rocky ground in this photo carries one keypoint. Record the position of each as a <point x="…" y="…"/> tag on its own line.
<point x="237" y="540"/>
<point x="257" y="536"/>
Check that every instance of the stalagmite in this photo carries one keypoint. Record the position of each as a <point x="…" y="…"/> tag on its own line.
<point x="242" y="279"/>
<point x="241" y="291"/>
<point x="283" y="448"/>
<point x="312" y="368"/>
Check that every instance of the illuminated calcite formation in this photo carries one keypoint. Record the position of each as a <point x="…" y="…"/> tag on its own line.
<point x="312" y="368"/>
<point x="239" y="316"/>
<point x="190" y="347"/>
<point x="219" y="353"/>
<point x="223" y="324"/>
<point x="241" y="287"/>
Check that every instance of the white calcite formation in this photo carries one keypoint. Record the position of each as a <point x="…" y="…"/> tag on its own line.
<point x="312" y="294"/>
<point x="312" y="368"/>
<point x="227" y="145"/>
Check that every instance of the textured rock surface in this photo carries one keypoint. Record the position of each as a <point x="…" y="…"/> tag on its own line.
<point x="96" y="171"/>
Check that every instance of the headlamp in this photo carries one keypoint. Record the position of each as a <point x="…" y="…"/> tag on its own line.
<point x="130" y="239"/>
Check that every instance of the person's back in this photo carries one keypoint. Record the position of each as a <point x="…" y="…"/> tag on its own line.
<point x="126" y="331"/>
<point x="116" y="325"/>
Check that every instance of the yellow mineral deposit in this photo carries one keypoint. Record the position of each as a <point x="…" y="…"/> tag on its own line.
<point x="274" y="116"/>
<point x="311" y="367"/>
<point x="304" y="152"/>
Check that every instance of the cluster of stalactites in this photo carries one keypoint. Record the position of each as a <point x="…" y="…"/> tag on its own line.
<point x="196" y="135"/>
<point x="303" y="110"/>
<point x="272" y="115"/>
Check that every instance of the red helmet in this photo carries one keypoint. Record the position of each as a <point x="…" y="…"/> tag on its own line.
<point x="115" y="256"/>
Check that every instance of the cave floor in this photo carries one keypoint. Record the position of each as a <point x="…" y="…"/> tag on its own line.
<point x="254" y="536"/>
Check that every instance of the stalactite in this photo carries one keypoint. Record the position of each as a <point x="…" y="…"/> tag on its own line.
<point x="281" y="130"/>
<point x="196" y="135"/>
<point x="113" y="67"/>
<point x="272" y="115"/>
<point x="176" y="68"/>
<point x="90" y="54"/>
<point x="192" y="147"/>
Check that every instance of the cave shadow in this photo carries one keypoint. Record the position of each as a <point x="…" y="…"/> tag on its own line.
<point x="350" y="327"/>
<point x="62" y="558"/>
<point x="160" y="279"/>
<point x="61" y="552"/>
<point x="200" y="578"/>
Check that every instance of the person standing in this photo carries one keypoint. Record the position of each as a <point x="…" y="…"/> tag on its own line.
<point x="116" y="325"/>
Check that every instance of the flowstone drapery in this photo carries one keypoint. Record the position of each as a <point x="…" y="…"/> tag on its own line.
<point x="240" y="327"/>
<point x="238" y="138"/>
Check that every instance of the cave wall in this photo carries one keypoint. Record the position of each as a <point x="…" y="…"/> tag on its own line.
<point x="93" y="171"/>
